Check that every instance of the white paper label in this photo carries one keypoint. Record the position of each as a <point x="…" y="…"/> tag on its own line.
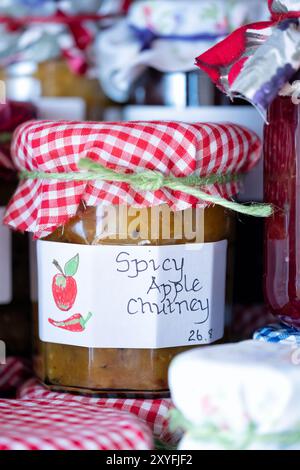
<point x="131" y="296"/>
<point x="6" y="262"/>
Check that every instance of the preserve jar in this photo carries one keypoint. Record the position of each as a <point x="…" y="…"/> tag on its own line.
<point x="14" y="285"/>
<point x="148" y="57"/>
<point x="126" y="370"/>
<point x="54" y="78"/>
<point x="260" y="63"/>
<point x="129" y="272"/>
<point x="178" y="89"/>
<point x="282" y="155"/>
<point x="58" y="80"/>
<point x="50" y="53"/>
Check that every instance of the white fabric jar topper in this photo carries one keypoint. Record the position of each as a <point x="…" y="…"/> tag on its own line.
<point x="165" y="35"/>
<point x="237" y="396"/>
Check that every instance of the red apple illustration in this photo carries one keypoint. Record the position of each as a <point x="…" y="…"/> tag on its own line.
<point x="64" y="286"/>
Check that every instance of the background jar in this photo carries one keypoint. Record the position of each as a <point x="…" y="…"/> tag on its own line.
<point x="54" y="79"/>
<point x="282" y="156"/>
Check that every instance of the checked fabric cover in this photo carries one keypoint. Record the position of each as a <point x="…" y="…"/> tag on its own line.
<point x="260" y="60"/>
<point x="154" y="413"/>
<point x="172" y="148"/>
<point x="57" y="425"/>
<point x="17" y="381"/>
<point x="279" y="333"/>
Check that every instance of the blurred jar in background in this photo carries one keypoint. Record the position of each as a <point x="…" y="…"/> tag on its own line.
<point x="52" y="56"/>
<point x="58" y="80"/>
<point x="54" y="78"/>
<point x="179" y="89"/>
<point x="282" y="229"/>
<point x="14" y="275"/>
<point x="148" y="57"/>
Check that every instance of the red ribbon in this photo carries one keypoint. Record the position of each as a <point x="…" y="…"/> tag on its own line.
<point x="278" y="17"/>
<point x="82" y="36"/>
<point x="76" y="61"/>
<point x="59" y="17"/>
<point x="126" y="5"/>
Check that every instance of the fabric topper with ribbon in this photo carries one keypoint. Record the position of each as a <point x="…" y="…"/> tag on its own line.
<point x="140" y="164"/>
<point x="257" y="61"/>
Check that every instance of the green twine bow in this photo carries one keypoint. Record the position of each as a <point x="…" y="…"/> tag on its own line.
<point x="151" y="180"/>
<point x="228" y="440"/>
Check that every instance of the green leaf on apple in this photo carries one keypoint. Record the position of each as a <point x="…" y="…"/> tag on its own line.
<point x="71" y="266"/>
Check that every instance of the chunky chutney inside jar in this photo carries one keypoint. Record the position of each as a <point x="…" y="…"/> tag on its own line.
<point x="127" y="370"/>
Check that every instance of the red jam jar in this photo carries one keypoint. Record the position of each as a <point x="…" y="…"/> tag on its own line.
<point x="282" y="189"/>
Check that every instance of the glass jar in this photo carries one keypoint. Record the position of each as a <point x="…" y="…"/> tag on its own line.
<point x="127" y="371"/>
<point x="178" y="89"/>
<point x="282" y="156"/>
<point x="57" y="80"/>
<point x="53" y="78"/>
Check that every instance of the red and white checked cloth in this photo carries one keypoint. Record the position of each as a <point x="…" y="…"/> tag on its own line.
<point x="57" y="425"/>
<point x="172" y="148"/>
<point x="155" y="413"/>
<point x="13" y="374"/>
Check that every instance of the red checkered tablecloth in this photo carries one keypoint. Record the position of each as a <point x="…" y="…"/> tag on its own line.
<point x="155" y="413"/>
<point x="61" y="425"/>
<point x="16" y="380"/>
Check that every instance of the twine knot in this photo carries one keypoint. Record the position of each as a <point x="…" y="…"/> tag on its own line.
<point x="151" y="180"/>
<point x="148" y="180"/>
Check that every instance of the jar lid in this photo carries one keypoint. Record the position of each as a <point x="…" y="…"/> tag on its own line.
<point x="52" y="153"/>
<point x="143" y="40"/>
<point x="278" y="333"/>
<point x="155" y="412"/>
<point x="257" y="60"/>
<point x="248" y="398"/>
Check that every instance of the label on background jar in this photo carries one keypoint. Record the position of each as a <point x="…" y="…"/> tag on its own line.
<point x="6" y="262"/>
<point x="143" y="297"/>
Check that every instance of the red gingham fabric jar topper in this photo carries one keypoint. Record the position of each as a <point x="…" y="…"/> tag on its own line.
<point x="154" y="412"/>
<point x="174" y="149"/>
<point x="41" y="425"/>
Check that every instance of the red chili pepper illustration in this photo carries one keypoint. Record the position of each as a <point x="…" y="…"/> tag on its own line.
<point x="76" y="323"/>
